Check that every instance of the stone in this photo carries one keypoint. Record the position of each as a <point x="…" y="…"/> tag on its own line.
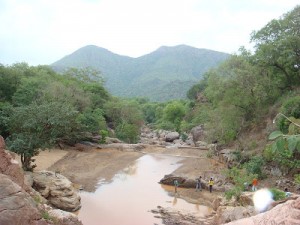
<point x="246" y="199"/>
<point x="10" y="167"/>
<point x="197" y="133"/>
<point x="57" y="189"/>
<point x="170" y="137"/>
<point x="287" y="213"/>
<point x="227" y="214"/>
<point x="16" y="205"/>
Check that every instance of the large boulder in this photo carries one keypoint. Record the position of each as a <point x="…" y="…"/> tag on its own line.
<point x="57" y="189"/>
<point x="198" y="133"/>
<point x="170" y="137"/>
<point x="16" y="205"/>
<point x="287" y="213"/>
<point x="227" y="214"/>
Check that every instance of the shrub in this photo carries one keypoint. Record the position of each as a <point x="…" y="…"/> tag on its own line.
<point x="127" y="132"/>
<point x="239" y="177"/>
<point x="277" y="194"/>
<point x="290" y="108"/>
<point x="254" y="166"/>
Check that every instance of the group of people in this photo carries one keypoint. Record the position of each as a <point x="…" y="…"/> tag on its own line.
<point x="198" y="184"/>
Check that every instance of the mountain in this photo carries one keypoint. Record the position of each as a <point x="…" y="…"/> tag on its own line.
<point x="162" y="75"/>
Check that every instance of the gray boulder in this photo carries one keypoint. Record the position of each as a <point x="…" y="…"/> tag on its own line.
<point x="170" y="137"/>
<point x="57" y="189"/>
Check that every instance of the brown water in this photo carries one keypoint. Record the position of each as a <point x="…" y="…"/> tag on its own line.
<point x="133" y="193"/>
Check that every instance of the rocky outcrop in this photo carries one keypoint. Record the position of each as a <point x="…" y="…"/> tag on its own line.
<point x="57" y="189"/>
<point x="16" y="205"/>
<point x="10" y="167"/>
<point x="287" y="213"/>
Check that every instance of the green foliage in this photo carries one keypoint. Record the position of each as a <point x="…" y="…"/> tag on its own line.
<point x="104" y="134"/>
<point x="277" y="194"/>
<point x="166" y="125"/>
<point x="9" y="82"/>
<point x="255" y="165"/>
<point x="184" y="136"/>
<point x="126" y="117"/>
<point x="277" y="48"/>
<point x="297" y="178"/>
<point x="174" y="113"/>
<point x="128" y="132"/>
<point x="238" y="177"/>
<point x="290" y="108"/>
<point x="197" y="88"/>
<point x="92" y="120"/>
<point x="5" y="111"/>
<point x="46" y="216"/>
<point x="35" y="127"/>
<point x="275" y="134"/>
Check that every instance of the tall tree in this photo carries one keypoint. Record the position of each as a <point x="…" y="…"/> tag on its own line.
<point x="38" y="126"/>
<point x="278" y="48"/>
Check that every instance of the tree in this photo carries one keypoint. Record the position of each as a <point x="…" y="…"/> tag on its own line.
<point x="174" y="113"/>
<point x="36" y="127"/>
<point x="126" y="117"/>
<point x="278" y="48"/>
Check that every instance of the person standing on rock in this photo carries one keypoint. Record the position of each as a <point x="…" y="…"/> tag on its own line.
<point x="210" y="184"/>
<point x="254" y="184"/>
<point x="198" y="184"/>
<point x="176" y="184"/>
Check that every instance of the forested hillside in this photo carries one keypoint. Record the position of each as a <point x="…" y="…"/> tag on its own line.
<point x="164" y="74"/>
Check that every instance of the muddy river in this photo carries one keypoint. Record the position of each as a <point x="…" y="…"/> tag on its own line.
<point x="133" y="193"/>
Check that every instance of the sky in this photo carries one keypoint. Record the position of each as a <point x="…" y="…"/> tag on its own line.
<point x="44" y="31"/>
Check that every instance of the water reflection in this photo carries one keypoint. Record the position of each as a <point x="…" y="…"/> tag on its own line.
<point x="132" y="194"/>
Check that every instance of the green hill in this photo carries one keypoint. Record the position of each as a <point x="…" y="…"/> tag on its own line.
<point x="164" y="74"/>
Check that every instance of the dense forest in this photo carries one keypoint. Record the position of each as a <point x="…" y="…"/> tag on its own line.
<point x="41" y="108"/>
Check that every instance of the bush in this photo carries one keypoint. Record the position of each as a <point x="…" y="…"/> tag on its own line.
<point x="290" y="108"/>
<point x="277" y="194"/>
<point x="254" y="166"/>
<point x="127" y="132"/>
<point x="239" y="177"/>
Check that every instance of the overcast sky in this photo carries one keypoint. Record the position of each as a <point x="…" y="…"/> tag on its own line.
<point x="44" y="31"/>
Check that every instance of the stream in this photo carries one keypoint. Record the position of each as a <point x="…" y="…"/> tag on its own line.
<point x="133" y="193"/>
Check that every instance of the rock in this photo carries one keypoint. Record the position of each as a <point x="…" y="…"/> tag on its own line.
<point x="10" y="167"/>
<point x="2" y="143"/>
<point x="246" y="199"/>
<point x="227" y="214"/>
<point x="198" y="133"/>
<point x="170" y="137"/>
<point x="216" y="203"/>
<point x="227" y="156"/>
<point x="19" y="203"/>
<point x="16" y="206"/>
<point x="109" y="140"/>
<point x="287" y="213"/>
<point x="202" y="144"/>
<point x="169" y="180"/>
<point x="65" y="217"/>
<point x="57" y="189"/>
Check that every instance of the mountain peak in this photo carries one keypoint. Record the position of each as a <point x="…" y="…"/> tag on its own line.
<point x="151" y="75"/>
